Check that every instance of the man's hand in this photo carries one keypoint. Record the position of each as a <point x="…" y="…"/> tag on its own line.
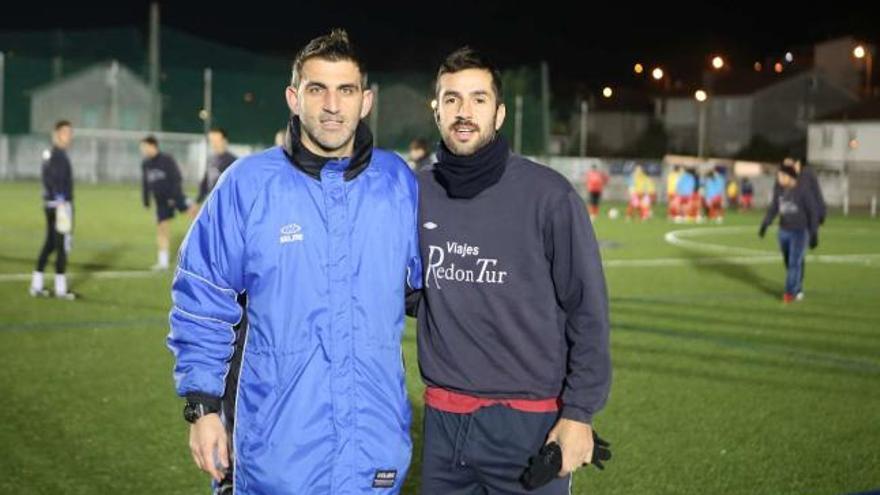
<point x="762" y="230"/>
<point x="207" y="436"/>
<point x="576" y="440"/>
<point x="814" y="240"/>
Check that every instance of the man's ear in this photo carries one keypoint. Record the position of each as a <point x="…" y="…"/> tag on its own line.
<point x="500" y="114"/>
<point x="367" y="103"/>
<point x="292" y="97"/>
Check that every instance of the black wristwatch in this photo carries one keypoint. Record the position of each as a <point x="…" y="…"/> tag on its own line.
<point x="193" y="410"/>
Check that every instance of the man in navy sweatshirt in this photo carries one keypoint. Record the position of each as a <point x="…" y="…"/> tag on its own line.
<point x="798" y="212"/>
<point x="513" y="319"/>
<point x="162" y="180"/>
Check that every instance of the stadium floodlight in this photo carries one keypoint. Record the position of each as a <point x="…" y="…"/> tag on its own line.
<point x="701" y="95"/>
<point x="657" y="73"/>
<point x="607" y="92"/>
<point x="718" y="62"/>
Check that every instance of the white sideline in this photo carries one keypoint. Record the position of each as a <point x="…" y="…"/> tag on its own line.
<point x="679" y="237"/>
<point x="24" y="277"/>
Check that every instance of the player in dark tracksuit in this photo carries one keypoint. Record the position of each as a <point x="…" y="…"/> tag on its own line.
<point x="798" y="227"/>
<point x="57" y="177"/>
<point x="162" y="180"/>
<point x="220" y="160"/>
<point x="807" y="180"/>
<point x="513" y="318"/>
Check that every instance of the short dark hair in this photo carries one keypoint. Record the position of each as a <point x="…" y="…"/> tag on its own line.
<point x="62" y="123"/>
<point x="151" y="139"/>
<point x="334" y="47"/>
<point x="468" y="58"/>
<point x="419" y="143"/>
<point x="219" y="130"/>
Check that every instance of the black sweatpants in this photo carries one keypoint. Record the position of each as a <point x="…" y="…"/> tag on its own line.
<point x="484" y="453"/>
<point x="54" y="242"/>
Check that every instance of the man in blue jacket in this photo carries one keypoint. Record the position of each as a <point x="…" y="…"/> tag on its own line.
<point x="289" y="301"/>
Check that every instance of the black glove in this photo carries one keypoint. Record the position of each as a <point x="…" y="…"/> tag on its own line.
<point x="545" y="466"/>
<point x="762" y="230"/>
<point x="601" y="451"/>
<point x="814" y="240"/>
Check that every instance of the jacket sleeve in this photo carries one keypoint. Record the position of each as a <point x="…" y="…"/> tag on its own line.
<point x="579" y="282"/>
<point x="208" y="280"/>
<point x="66" y="178"/>
<point x="414" y="258"/>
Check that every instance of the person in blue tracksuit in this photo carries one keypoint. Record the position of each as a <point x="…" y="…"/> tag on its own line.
<point x="288" y="301"/>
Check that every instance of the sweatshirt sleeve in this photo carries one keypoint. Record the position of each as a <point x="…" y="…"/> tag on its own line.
<point x="821" y="208"/>
<point x="579" y="283"/>
<point x="773" y="207"/>
<point x="145" y="186"/>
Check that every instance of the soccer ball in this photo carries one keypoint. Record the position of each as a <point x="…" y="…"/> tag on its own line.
<point x="613" y="213"/>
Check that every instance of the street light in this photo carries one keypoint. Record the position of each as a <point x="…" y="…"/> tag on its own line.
<point x="859" y="51"/>
<point x="638" y="69"/>
<point x="607" y="92"/>
<point x="657" y="73"/>
<point x="862" y="52"/>
<point x="778" y="67"/>
<point x="701" y="96"/>
<point x="718" y="62"/>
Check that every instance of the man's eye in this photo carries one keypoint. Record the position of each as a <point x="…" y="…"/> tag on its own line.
<point x="314" y="90"/>
<point x="347" y="91"/>
<point x="449" y="100"/>
<point x="481" y="100"/>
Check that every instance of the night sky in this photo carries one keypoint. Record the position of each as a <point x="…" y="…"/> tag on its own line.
<point x="587" y="48"/>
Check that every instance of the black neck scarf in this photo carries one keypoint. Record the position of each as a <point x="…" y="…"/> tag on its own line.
<point x="464" y="177"/>
<point x="311" y="164"/>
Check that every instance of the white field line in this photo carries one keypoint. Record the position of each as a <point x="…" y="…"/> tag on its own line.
<point x="24" y="277"/>
<point x="676" y="237"/>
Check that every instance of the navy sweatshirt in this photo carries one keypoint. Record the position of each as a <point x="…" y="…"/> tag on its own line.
<point x="57" y="176"/>
<point x="161" y="176"/>
<point x="797" y="209"/>
<point x="807" y="180"/>
<point x="216" y="167"/>
<point x="514" y="303"/>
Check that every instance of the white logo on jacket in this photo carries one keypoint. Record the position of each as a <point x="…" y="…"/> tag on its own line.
<point x="291" y="233"/>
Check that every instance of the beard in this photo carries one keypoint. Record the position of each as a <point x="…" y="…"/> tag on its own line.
<point x="330" y="141"/>
<point x="477" y="140"/>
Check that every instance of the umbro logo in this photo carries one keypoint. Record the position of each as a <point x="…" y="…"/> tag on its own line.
<point x="291" y="233"/>
<point x="430" y="225"/>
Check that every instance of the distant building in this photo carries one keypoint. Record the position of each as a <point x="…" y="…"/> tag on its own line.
<point x="848" y="141"/>
<point x="103" y="96"/>
<point x="774" y="108"/>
